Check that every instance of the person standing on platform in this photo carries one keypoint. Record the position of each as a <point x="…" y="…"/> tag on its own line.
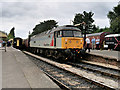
<point x="93" y="43"/>
<point x="97" y="43"/>
<point x="3" y="44"/>
<point x="88" y="44"/>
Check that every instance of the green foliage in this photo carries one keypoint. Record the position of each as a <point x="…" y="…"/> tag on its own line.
<point x="95" y="29"/>
<point x="44" y="26"/>
<point x="11" y="35"/>
<point x="85" y="17"/>
<point x="114" y="17"/>
<point x="98" y="30"/>
<point x="115" y="25"/>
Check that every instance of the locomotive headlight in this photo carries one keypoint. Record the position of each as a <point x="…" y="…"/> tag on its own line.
<point x="66" y="40"/>
<point x="81" y="40"/>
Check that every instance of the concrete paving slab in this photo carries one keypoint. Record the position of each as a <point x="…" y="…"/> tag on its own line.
<point x="0" y="69"/>
<point x="107" y="53"/>
<point x="19" y="72"/>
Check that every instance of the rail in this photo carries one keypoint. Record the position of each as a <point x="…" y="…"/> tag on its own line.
<point x="87" y="76"/>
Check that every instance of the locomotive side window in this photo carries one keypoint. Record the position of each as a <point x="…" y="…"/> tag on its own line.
<point x="59" y="34"/>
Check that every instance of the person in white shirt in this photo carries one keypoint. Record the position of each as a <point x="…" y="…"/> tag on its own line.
<point x="88" y="43"/>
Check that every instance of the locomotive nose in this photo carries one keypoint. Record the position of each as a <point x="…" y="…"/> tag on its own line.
<point x="72" y="42"/>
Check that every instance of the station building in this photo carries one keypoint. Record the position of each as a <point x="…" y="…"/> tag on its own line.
<point x="3" y="36"/>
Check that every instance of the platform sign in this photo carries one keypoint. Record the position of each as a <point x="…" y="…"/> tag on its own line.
<point x="105" y="46"/>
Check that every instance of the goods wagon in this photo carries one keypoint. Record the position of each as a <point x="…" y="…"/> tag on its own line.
<point x="100" y="36"/>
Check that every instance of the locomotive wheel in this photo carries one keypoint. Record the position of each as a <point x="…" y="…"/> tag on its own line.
<point x="56" y="55"/>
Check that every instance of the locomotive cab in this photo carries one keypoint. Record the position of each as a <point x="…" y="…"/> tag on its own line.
<point x="70" y="41"/>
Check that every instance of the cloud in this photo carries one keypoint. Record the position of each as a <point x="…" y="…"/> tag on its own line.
<point x="59" y="1"/>
<point x="25" y="15"/>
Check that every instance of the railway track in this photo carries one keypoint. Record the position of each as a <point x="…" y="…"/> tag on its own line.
<point x="70" y="77"/>
<point x="111" y="73"/>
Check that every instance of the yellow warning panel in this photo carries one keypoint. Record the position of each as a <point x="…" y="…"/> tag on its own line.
<point x="72" y="42"/>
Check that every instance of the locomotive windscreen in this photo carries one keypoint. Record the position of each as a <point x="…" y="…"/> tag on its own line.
<point x="71" y="33"/>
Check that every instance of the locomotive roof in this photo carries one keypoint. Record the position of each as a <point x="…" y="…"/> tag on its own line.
<point x="66" y="27"/>
<point x="113" y="35"/>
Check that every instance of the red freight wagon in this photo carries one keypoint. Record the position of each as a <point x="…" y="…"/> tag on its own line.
<point x="25" y="41"/>
<point x="100" y="35"/>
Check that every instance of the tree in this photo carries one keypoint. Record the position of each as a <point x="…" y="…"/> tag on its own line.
<point x="95" y="29"/>
<point x="44" y="26"/>
<point x="11" y="35"/>
<point x="98" y="30"/>
<point x="114" y="17"/>
<point x="85" y="17"/>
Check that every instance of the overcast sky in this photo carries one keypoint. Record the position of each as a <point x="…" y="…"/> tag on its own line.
<point x="25" y="14"/>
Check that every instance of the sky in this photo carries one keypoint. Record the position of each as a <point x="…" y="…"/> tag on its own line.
<point x="25" y="14"/>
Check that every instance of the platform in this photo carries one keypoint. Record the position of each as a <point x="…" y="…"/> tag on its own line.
<point x="107" y="53"/>
<point x="20" y="72"/>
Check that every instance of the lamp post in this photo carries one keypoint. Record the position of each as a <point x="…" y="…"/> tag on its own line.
<point x="84" y="28"/>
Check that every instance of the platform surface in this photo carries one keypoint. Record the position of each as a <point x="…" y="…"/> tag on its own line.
<point x="107" y="53"/>
<point x="20" y="72"/>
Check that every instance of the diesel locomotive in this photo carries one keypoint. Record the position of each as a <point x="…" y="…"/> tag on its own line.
<point x="64" y="42"/>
